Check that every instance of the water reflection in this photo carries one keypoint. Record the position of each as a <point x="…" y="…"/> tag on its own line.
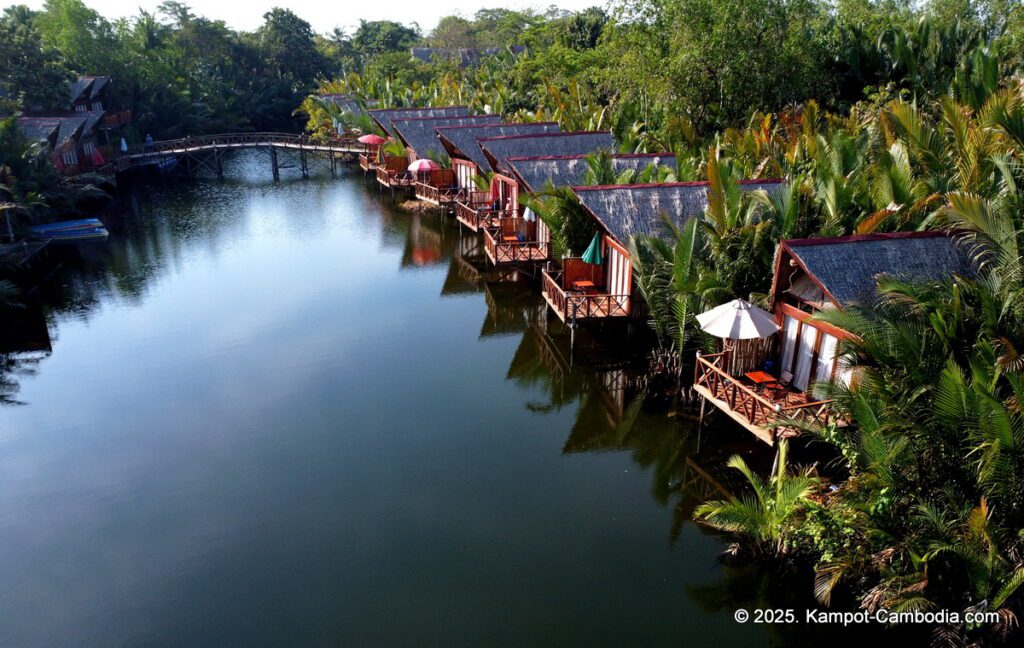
<point x="258" y="402"/>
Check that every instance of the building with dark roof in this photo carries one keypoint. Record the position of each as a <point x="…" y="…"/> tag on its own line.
<point x="534" y="173"/>
<point x="828" y="273"/>
<point x="384" y="116"/>
<point x="465" y="56"/>
<point x="90" y="93"/>
<point x="419" y="134"/>
<point x="497" y="150"/>
<point x="814" y="275"/>
<point x="627" y="210"/>
<point x="581" y="290"/>
<point x="462" y="142"/>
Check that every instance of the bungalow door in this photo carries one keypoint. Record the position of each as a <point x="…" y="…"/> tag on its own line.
<point x="464" y="172"/>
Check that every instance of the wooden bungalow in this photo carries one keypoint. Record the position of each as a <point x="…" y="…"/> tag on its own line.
<point x="391" y="171"/>
<point x="461" y="145"/>
<point x="813" y="275"/>
<point x="90" y="93"/>
<point x="577" y="290"/>
<point x="419" y="135"/>
<point x="528" y="240"/>
<point x="489" y="209"/>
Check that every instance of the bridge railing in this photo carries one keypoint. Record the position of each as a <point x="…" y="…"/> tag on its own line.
<point x="229" y="140"/>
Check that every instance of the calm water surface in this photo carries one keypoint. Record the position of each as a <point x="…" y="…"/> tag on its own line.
<point x="283" y="414"/>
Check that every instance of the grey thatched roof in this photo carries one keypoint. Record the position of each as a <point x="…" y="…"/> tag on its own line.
<point x="70" y="128"/>
<point x="38" y="129"/>
<point x="99" y="86"/>
<point x="421" y="134"/>
<point x="79" y="87"/>
<point x="466" y="56"/>
<point x="346" y="102"/>
<point x="626" y="210"/>
<point x="497" y="150"/>
<point x="849" y="266"/>
<point x="384" y="116"/>
<point x="461" y="141"/>
<point x="569" y="171"/>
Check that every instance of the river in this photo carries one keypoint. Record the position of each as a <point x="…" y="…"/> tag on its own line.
<point x="287" y="414"/>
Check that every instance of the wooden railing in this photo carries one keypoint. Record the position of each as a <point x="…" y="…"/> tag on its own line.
<point x="439" y="195"/>
<point x="366" y="161"/>
<point x="752" y="406"/>
<point x="500" y="251"/>
<point x="116" y="119"/>
<point x="242" y="140"/>
<point x="478" y="215"/>
<point x="572" y="305"/>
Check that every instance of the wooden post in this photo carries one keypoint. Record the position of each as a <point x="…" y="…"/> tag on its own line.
<point x="218" y="159"/>
<point x="275" y="169"/>
<point x="333" y="165"/>
<point x="302" y="163"/>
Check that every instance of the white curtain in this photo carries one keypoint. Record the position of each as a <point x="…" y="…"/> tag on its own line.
<point x="789" y="329"/>
<point x="826" y="358"/>
<point x="804" y="355"/>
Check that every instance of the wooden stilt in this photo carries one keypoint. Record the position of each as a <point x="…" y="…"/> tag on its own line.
<point x="274" y="168"/>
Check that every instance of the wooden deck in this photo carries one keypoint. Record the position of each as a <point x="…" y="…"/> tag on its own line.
<point x="572" y="305"/>
<point x="508" y="252"/>
<point x="475" y="210"/>
<point x="439" y="196"/>
<point x="760" y="412"/>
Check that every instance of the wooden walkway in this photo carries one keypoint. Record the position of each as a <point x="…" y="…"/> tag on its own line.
<point x="207" y="150"/>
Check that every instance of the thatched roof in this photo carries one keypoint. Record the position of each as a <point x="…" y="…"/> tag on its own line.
<point x="497" y="150"/>
<point x="384" y="116"/>
<point x="466" y="56"/>
<point x="39" y="129"/>
<point x="627" y="210"/>
<point x="461" y="141"/>
<point x="79" y="88"/>
<point x="848" y="267"/>
<point x="568" y="171"/>
<point x="420" y="134"/>
<point x="345" y="102"/>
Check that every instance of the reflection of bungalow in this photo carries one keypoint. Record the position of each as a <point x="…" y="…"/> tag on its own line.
<point x="813" y="275"/>
<point x="489" y="209"/>
<point x="577" y="290"/>
<point x="419" y="135"/>
<point x="529" y="240"/>
<point x="392" y="170"/>
<point x="463" y="148"/>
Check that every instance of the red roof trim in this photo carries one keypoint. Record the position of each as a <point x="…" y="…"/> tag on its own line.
<point x="857" y="238"/>
<point x="694" y="183"/>
<point x="502" y="124"/>
<point x="529" y="135"/>
<point x="390" y="110"/>
<point x="417" y="119"/>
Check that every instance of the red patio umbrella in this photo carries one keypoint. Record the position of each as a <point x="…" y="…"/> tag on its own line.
<point x="372" y="139"/>
<point x="423" y="166"/>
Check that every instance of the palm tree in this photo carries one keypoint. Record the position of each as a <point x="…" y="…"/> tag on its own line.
<point x="761" y="517"/>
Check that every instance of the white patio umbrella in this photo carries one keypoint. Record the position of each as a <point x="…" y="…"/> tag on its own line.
<point x="738" y="320"/>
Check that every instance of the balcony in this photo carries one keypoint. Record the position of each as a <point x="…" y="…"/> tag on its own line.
<point x="504" y="246"/>
<point x="476" y="211"/>
<point x="762" y="411"/>
<point x="576" y="291"/>
<point x="437" y="187"/>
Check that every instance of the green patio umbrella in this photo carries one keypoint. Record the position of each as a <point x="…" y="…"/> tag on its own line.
<point x="593" y="253"/>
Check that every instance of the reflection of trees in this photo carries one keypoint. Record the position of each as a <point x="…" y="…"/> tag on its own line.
<point x="24" y="343"/>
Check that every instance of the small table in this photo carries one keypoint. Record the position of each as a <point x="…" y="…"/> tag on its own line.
<point x="582" y="285"/>
<point x="510" y="239"/>
<point x="761" y="378"/>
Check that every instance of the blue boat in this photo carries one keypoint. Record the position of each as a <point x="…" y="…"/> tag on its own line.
<point x="87" y="229"/>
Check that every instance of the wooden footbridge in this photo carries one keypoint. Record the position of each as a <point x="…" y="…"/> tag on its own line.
<point x="207" y="152"/>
